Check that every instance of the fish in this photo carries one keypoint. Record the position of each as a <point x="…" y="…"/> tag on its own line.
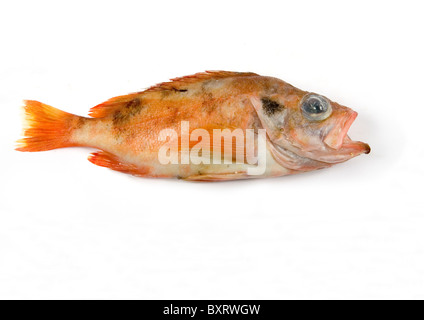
<point x="156" y="133"/>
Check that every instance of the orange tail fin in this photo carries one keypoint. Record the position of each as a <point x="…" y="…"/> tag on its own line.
<point x="47" y="128"/>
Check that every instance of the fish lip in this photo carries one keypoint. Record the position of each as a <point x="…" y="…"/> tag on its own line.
<point x="355" y="147"/>
<point x="366" y="147"/>
<point x="358" y="146"/>
<point x="341" y="146"/>
<point x="336" y="137"/>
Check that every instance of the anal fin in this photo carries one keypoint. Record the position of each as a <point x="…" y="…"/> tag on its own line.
<point x="108" y="160"/>
<point x="218" y="177"/>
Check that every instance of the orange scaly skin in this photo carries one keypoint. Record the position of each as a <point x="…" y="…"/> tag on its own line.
<point x="127" y="128"/>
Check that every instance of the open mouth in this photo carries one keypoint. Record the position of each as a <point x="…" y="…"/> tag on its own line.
<point x="338" y="139"/>
<point x="340" y="147"/>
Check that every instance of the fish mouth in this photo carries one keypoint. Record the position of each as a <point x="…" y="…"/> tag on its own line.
<point x="338" y="140"/>
<point x="337" y="147"/>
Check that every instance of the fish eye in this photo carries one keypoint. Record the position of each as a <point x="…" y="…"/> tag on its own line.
<point x="315" y="107"/>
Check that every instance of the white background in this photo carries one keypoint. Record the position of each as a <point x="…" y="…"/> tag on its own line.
<point x="69" y="229"/>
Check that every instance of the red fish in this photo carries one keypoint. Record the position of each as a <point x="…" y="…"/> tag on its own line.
<point x="304" y="131"/>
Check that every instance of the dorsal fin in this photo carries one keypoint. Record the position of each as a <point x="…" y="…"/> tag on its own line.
<point x="177" y="83"/>
<point x="110" y="106"/>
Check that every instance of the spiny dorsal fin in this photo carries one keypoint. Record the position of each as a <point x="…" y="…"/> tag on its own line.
<point x="110" y="106"/>
<point x="175" y="83"/>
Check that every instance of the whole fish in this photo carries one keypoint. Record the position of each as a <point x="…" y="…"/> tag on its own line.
<point x="301" y="131"/>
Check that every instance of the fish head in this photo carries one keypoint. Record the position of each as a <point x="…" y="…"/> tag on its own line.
<point x="307" y="130"/>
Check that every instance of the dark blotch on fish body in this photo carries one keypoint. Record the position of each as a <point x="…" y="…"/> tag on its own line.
<point x="270" y="107"/>
<point x="179" y="90"/>
<point x="124" y="114"/>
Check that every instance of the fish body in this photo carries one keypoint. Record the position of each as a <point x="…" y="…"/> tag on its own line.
<point x="127" y="129"/>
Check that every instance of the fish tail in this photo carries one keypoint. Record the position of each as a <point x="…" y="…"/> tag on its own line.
<point x="46" y="128"/>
